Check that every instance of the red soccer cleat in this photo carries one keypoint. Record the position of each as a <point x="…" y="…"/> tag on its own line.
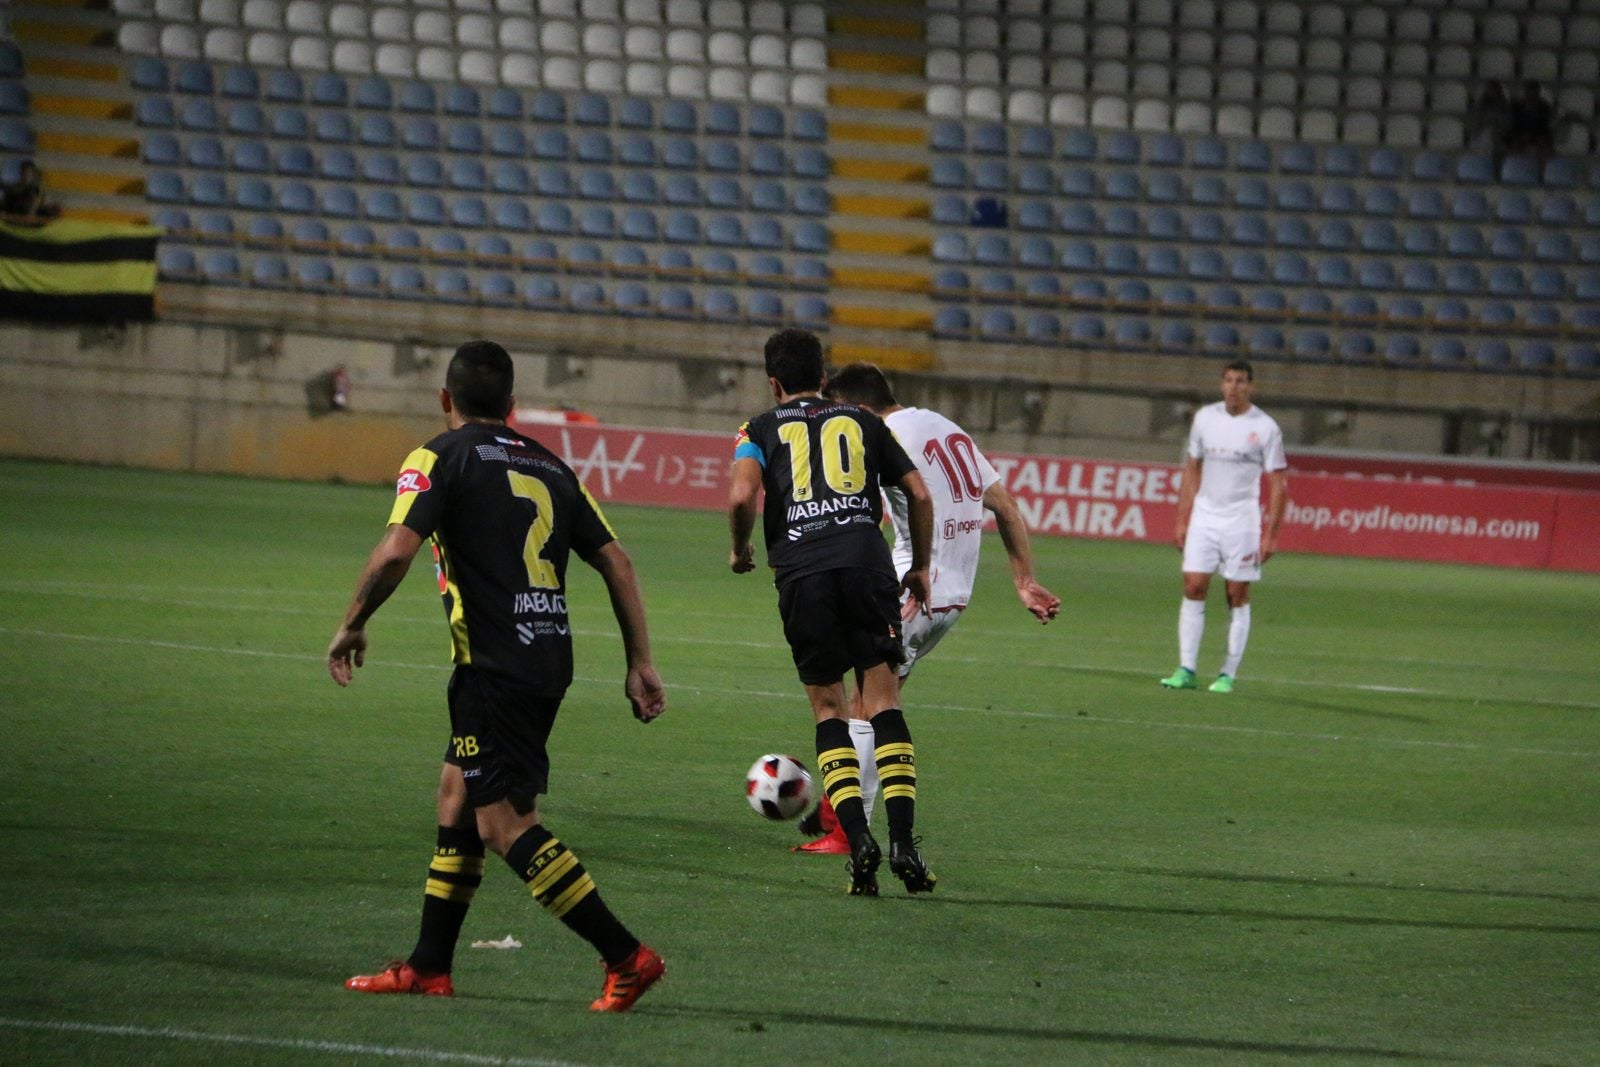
<point x="820" y="820"/>
<point x="628" y="980"/>
<point x="399" y="977"/>
<point x="832" y="843"/>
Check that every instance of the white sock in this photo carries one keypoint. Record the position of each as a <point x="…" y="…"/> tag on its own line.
<point x="1191" y="627"/>
<point x="1238" y="635"/>
<point x="866" y="744"/>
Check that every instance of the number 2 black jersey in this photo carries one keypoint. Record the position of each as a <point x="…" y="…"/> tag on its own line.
<point x="503" y="513"/>
<point x="823" y="464"/>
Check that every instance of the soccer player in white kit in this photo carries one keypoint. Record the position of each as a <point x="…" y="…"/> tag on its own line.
<point x="964" y="486"/>
<point x="1231" y="444"/>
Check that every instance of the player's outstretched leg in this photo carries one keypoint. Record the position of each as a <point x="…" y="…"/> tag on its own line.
<point x="823" y="824"/>
<point x="627" y="981"/>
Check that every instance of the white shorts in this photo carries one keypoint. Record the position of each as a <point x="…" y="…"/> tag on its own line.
<point x="919" y="635"/>
<point x="1233" y="548"/>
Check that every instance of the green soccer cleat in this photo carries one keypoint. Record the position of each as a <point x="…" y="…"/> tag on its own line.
<point x="1182" y="678"/>
<point x="1223" y="684"/>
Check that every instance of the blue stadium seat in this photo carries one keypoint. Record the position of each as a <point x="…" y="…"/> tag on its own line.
<point x="407" y="282"/>
<point x="1341" y="161"/>
<point x="402" y="242"/>
<point x="809" y="236"/>
<point x="1248" y="267"/>
<point x="1336" y="235"/>
<point x="1209" y="190"/>
<point x="1335" y="272"/>
<point x="595" y="184"/>
<point x="811" y="200"/>
<point x="636" y="150"/>
<point x="357" y="239"/>
<point x="1311" y="345"/>
<point x="1376" y="274"/>
<point x="269" y="272"/>
<point x="548" y="106"/>
<point x="425" y="209"/>
<point x="1035" y="179"/>
<point x="1131" y="333"/>
<point x="458" y="100"/>
<point x="1465" y="242"/>
<point x="1206" y="227"/>
<point x="362" y="279"/>
<point x="1220" y="337"/>
<point x="463" y="136"/>
<point x="1426" y="203"/>
<point x="379" y="168"/>
<point x="1088" y="291"/>
<point x="680" y="153"/>
<point x="162" y="150"/>
<point x="682" y="190"/>
<point x="418" y="97"/>
<point x="1514" y="206"/>
<point x="1447" y="352"/>
<point x="1120" y="147"/>
<point x="679" y="116"/>
<point x="1402" y="350"/>
<point x="630" y="258"/>
<point x="765" y="121"/>
<point x="951" y="279"/>
<point x="1163" y="224"/>
<point x="1421" y="240"/>
<point x="809" y="124"/>
<point x="1469" y="204"/>
<point x="1035" y="142"/>
<point x="810" y="163"/>
<point x="210" y="190"/>
<point x="675" y="302"/>
<point x="1430" y="167"/>
<point x="1385" y="164"/>
<point x="1463" y="278"/>
<point x="170" y="218"/>
<point x="1164" y="187"/>
<point x="811" y="309"/>
<point x="1340" y="199"/>
<point x="683" y="228"/>
<point x="1497" y="314"/>
<point x="339" y="164"/>
<point x="452" y="287"/>
<point x="1209" y="152"/>
<point x="554" y="218"/>
<point x="1382" y="200"/>
<point x="585" y="257"/>
<point x="1381" y="237"/>
<point x="1589" y="248"/>
<point x="551" y="144"/>
<point x="1163" y="261"/>
<point x="329" y="90"/>
<point x="1295" y="196"/>
<point x="425" y="172"/>
<point x="996" y="285"/>
<point x="221" y="267"/>
<point x="509" y="177"/>
<point x="948" y="136"/>
<point x="1042" y="287"/>
<point x="194" y="77"/>
<point x="1178" y="294"/>
<point x="1132" y="291"/>
<point x="1452" y="313"/>
<point x="1291" y="269"/>
<point x="540" y="250"/>
<point x="198" y="114"/>
<point x="374" y="131"/>
<point x="992" y="248"/>
<point x="334" y="127"/>
<point x="240" y="83"/>
<point x="763" y="268"/>
<point x="512" y="215"/>
<point x="284" y="86"/>
<point x="998" y="323"/>
<point x="1079" y="256"/>
<point x="1492" y="354"/>
<point x="597" y="220"/>
<point x="1253" y="156"/>
<point x="1087" y="329"/>
<point x="1266" y="342"/>
<point x="340" y="202"/>
<point x="1079" y="218"/>
<point x="541" y="290"/>
<point x="1120" y="221"/>
<point x="1293" y="232"/>
<point x="1582" y="360"/>
<point x="314" y="274"/>
<point x="553" y="181"/>
<point x="1042" y="326"/>
<point x="723" y="119"/>
<point x="1078" y="145"/>
<point x="724" y="192"/>
<point x="1166" y="150"/>
<point x="253" y="194"/>
<point x="214" y="227"/>
<point x="1271" y="301"/>
<point x="1205" y="264"/>
<point x="374" y="93"/>
<point x="593" y="146"/>
<point x="1357" y="348"/>
<point x="952" y="320"/>
<point x="1079" y="182"/>
<point x="949" y="209"/>
<point x="1250" y="230"/>
<point x="1297" y="158"/>
<point x="1508" y="281"/>
<point x="1122" y="185"/>
<point x="1251" y="193"/>
<point x="1313" y="303"/>
<point x="639" y="224"/>
<point x="507" y="141"/>
<point x="1536" y="356"/>
<point x="1176" y="337"/>
<point x="1036" y="252"/>
<point x="1475" y="169"/>
<point x="1358" y="306"/>
<point x="722" y="156"/>
<point x="767" y="159"/>
<point x="1223" y="296"/>
<point x="147" y="74"/>
<point x="768" y="196"/>
<point x="991" y="176"/>
<point x="725" y="230"/>
<point x="247" y="120"/>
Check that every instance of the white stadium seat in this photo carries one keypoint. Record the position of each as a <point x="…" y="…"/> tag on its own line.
<point x="139" y="38"/>
<point x="562" y="72"/>
<point x="983" y="102"/>
<point x="727" y="83"/>
<point x="1068" y="109"/>
<point x="436" y="63"/>
<point x="769" y="86"/>
<point x="807" y="53"/>
<point x="309" y="53"/>
<point x="267" y="50"/>
<point x="224" y="45"/>
<point x="602" y="76"/>
<point x="395" y="60"/>
<point x="645" y="79"/>
<point x="1152" y="115"/>
<point x="726" y="47"/>
<point x="1027" y="106"/>
<point x="519" y="71"/>
<point x="602" y="39"/>
<point x="180" y="42"/>
<point x="686" y="46"/>
<point x="642" y="42"/>
<point x="944" y="101"/>
<point x="348" y="20"/>
<point x="808" y="90"/>
<point x="352" y="57"/>
<point x="687" y="82"/>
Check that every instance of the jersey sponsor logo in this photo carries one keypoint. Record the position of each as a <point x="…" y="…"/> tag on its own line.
<point x="536" y="603"/>
<point x="529" y="632"/>
<point x="811" y="509"/>
<point x="1254" y="438"/>
<point x="797" y="532"/>
<point x="954" y="529"/>
<point x="412" y="481"/>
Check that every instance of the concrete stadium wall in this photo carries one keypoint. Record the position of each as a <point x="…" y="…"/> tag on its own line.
<point x="253" y="400"/>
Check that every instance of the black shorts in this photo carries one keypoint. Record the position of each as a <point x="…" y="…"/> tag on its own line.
<point x="498" y="731"/>
<point x="840" y="621"/>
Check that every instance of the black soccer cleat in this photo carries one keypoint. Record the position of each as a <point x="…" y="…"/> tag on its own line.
<point x="908" y="866"/>
<point x="862" y="866"/>
<point x="811" y="823"/>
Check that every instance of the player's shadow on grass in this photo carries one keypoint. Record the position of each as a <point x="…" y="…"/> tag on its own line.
<point x="1255" y="915"/>
<point x="1330" y="883"/>
<point x="811" y="1019"/>
<point x="1350" y="709"/>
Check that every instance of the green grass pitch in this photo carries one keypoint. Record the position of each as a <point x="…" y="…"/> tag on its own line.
<point x="1384" y="847"/>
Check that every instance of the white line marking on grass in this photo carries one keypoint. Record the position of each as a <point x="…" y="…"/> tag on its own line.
<point x="334" y="1048"/>
<point x="306" y="657"/>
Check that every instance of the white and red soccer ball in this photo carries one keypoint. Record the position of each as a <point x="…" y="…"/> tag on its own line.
<point x="778" y="787"/>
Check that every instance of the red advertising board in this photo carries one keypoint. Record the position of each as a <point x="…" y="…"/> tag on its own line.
<point x="1330" y="513"/>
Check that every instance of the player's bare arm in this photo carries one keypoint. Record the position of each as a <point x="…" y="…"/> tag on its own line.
<point x="643" y="685"/>
<point x="743" y="497"/>
<point x="386" y="568"/>
<point x="920" y="512"/>
<point x="1040" y="602"/>
<point x="1277" y="502"/>
<point x="1188" y="486"/>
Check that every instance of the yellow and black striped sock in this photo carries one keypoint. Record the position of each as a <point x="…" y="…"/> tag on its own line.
<point x="453" y="878"/>
<point x="897" y="772"/>
<point x="560" y="884"/>
<point x="840" y="768"/>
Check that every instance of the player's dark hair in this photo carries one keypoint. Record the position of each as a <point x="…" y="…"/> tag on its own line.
<point x="862" y="384"/>
<point x="794" y="358"/>
<point x="1244" y="365"/>
<point x="479" y="379"/>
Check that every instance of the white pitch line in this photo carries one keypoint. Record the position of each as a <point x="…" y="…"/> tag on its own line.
<point x="305" y="657"/>
<point x="335" y="1048"/>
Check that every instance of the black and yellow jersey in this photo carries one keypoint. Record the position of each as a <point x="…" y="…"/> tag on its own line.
<point x="504" y="513"/>
<point x="823" y="465"/>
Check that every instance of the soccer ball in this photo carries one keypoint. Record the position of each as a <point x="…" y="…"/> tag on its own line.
<point x="778" y="786"/>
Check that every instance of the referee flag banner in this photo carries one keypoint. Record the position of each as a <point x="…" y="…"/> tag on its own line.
<point x="74" y="270"/>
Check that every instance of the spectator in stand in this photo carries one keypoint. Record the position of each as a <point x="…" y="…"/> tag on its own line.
<point x="1490" y="122"/>
<point x="1533" y="123"/>
<point x="22" y="202"/>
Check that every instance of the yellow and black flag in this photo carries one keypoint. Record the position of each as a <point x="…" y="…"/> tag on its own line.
<point x="74" y="270"/>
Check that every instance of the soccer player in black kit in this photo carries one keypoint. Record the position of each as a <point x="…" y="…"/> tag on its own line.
<point x="503" y="513"/>
<point x="822" y="465"/>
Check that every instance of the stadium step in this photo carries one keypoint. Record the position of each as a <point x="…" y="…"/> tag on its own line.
<point x="882" y="244"/>
<point x="881" y="170"/>
<point x="875" y="62"/>
<point x="73" y="181"/>
<point x="882" y="318"/>
<point x="88" y="144"/>
<point x="889" y="357"/>
<point x="877" y="133"/>
<point x="74" y="69"/>
<point x="869" y="98"/>
<point x="82" y="107"/>
<point x="901" y="29"/>
<point x="31" y="31"/>
<point x="883" y="207"/>
<point x="892" y="281"/>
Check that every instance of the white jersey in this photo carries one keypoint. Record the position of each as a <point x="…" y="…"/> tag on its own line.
<point x="1234" y="451"/>
<point x="956" y="475"/>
